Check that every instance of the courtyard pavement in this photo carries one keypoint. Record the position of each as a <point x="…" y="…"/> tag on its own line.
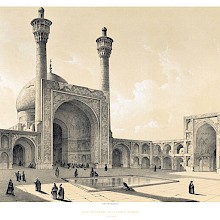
<point x="207" y="186"/>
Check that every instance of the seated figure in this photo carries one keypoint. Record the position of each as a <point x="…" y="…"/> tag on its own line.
<point x="126" y="187"/>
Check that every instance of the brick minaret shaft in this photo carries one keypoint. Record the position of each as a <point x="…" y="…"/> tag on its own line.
<point x="41" y="30"/>
<point x="104" y="47"/>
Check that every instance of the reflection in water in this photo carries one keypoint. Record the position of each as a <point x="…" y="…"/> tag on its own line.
<point x="111" y="182"/>
<point x="92" y="182"/>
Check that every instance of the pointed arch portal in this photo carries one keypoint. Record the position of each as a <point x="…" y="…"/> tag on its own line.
<point x="205" y="150"/>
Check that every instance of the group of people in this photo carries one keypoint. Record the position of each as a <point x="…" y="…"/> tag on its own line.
<point x="57" y="193"/>
<point x="79" y="165"/>
<point x="93" y="173"/>
<point x="72" y="165"/>
<point x="155" y="168"/>
<point x="20" y="177"/>
<point x="32" y="165"/>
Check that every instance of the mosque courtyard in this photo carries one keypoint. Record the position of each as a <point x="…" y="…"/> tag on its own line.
<point x="172" y="188"/>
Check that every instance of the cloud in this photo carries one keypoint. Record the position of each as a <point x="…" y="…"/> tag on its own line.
<point x="148" y="48"/>
<point x="155" y="110"/>
<point x="75" y="60"/>
<point x="170" y="69"/>
<point x="7" y="107"/>
<point x="150" y="124"/>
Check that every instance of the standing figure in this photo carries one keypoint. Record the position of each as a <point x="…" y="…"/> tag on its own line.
<point x="54" y="191"/>
<point x="23" y="177"/>
<point x="10" y="189"/>
<point x="106" y="168"/>
<point x="76" y="173"/>
<point x="57" y="172"/>
<point x="61" y="193"/>
<point x="37" y="185"/>
<point x="155" y="168"/>
<point x="18" y="176"/>
<point x="92" y="172"/>
<point x="191" y="188"/>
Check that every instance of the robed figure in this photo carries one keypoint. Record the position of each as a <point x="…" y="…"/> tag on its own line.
<point x="18" y="176"/>
<point x="61" y="192"/>
<point x="155" y="168"/>
<point x="23" y="177"/>
<point x="106" y="168"/>
<point x="92" y="172"/>
<point x="126" y="187"/>
<point x="76" y="173"/>
<point x="37" y="185"/>
<point x="191" y="188"/>
<point x="10" y="189"/>
<point x="54" y="191"/>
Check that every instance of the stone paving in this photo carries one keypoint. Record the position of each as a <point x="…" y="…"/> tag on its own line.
<point x="207" y="187"/>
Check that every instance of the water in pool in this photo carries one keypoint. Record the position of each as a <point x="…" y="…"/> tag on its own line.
<point x="115" y="182"/>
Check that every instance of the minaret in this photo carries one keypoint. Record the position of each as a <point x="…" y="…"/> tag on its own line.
<point x="104" y="47"/>
<point x="41" y="30"/>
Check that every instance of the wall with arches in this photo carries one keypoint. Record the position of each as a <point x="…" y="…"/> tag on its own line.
<point x="11" y="138"/>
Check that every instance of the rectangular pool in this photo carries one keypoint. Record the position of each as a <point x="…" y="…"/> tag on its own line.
<point x="107" y="183"/>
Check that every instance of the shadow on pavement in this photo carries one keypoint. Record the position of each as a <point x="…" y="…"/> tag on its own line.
<point x="159" y="198"/>
<point x="197" y="194"/>
<point x="42" y="192"/>
<point x="64" y="200"/>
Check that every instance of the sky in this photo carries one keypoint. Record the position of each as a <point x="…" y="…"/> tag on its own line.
<point x="164" y="65"/>
<point x="165" y="62"/>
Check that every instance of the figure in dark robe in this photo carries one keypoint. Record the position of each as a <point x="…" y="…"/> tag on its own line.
<point x="92" y="172"/>
<point x="18" y="176"/>
<point x="23" y="177"/>
<point x="191" y="188"/>
<point x="76" y="173"/>
<point x="37" y="185"/>
<point x="96" y="174"/>
<point x="126" y="187"/>
<point x="61" y="192"/>
<point x="54" y="191"/>
<point x="155" y="168"/>
<point x="57" y="172"/>
<point x="10" y="189"/>
<point x="106" y="168"/>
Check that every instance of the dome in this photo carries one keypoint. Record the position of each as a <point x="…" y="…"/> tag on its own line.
<point x="26" y="97"/>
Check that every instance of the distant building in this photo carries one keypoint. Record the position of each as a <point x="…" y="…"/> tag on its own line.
<point x="62" y="123"/>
